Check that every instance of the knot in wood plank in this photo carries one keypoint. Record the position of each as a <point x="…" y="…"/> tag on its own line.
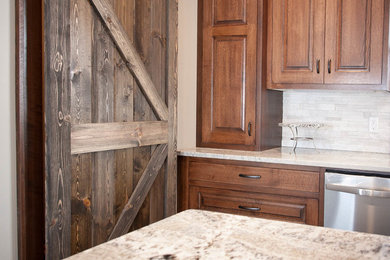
<point x="58" y="62"/>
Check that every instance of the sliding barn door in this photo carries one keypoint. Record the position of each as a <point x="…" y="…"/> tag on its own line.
<point x="110" y="119"/>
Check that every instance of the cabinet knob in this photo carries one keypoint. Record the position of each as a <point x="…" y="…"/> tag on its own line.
<point x="329" y="66"/>
<point x="250" y="128"/>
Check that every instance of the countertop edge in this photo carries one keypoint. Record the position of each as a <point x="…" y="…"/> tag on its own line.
<point x="355" y="161"/>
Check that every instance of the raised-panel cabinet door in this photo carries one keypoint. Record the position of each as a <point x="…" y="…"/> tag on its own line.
<point x="229" y="72"/>
<point x="354" y="41"/>
<point x="298" y="41"/>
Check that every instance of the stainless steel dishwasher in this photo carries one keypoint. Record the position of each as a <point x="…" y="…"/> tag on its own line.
<point x="356" y="201"/>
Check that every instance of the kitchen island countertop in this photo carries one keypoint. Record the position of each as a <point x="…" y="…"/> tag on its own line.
<point x="195" y="234"/>
<point x="344" y="160"/>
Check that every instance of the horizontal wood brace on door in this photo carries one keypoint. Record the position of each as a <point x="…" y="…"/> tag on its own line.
<point x="131" y="57"/>
<point x="97" y="137"/>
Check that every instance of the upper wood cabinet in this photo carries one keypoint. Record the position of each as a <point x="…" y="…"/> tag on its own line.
<point x="229" y="71"/>
<point x="328" y="44"/>
<point x="230" y="82"/>
<point x="298" y="40"/>
<point x="354" y="41"/>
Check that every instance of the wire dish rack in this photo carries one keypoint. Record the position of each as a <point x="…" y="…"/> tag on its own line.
<point x="295" y="133"/>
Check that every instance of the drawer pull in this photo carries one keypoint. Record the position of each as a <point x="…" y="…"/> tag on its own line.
<point x="257" y="177"/>
<point x="318" y="66"/>
<point x="248" y="208"/>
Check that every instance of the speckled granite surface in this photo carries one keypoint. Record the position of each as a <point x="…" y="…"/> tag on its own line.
<point x="195" y="234"/>
<point x="379" y="162"/>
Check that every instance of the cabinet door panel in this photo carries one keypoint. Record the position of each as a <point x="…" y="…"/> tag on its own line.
<point x="297" y="41"/>
<point x="229" y="70"/>
<point x="229" y="74"/>
<point x="229" y="11"/>
<point x="354" y="41"/>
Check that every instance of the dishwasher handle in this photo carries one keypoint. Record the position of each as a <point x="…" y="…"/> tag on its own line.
<point x="358" y="191"/>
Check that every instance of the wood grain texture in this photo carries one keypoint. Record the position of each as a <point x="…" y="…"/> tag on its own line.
<point x="283" y="179"/>
<point x="29" y="130"/>
<point x="152" y="32"/>
<point x="284" y="192"/>
<point x="124" y="112"/>
<point x="347" y="23"/>
<point x="57" y="128"/>
<point x="87" y="138"/>
<point x="92" y="84"/>
<point x="266" y="105"/>
<point x="182" y="183"/>
<point x="221" y="81"/>
<point x="140" y="192"/>
<point x="297" y="41"/>
<point x="103" y="163"/>
<point x="354" y="41"/>
<point x="142" y="110"/>
<point x="21" y="126"/>
<point x="81" y="23"/>
<point x="133" y="60"/>
<point x="270" y="206"/>
<point x="171" y="179"/>
<point x="269" y="104"/>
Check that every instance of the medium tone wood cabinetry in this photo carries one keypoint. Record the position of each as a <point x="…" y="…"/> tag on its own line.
<point x="297" y="41"/>
<point x="232" y="102"/>
<point x="328" y="44"/>
<point x="274" y="191"/>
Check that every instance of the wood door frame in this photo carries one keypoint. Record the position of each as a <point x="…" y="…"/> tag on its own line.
<point x="30" y="182"/>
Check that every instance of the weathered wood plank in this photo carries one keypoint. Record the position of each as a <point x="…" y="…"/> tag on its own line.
<point x="133" y="205"/>
<point x="124" y="93"/>
<point x="88" y="138"/>
<point x="142" y="110"/>
<point x="133" y="59"/>
<point x="81" y="81"/>
<point x="103" y="185"/>
<point x="155" y="41"/>
<point x="172" y="45"/>
<point x="57" y="128"/>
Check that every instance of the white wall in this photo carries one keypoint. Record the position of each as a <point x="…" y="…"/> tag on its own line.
<point x="186" y="137"/>
<point x="8" y="235"/>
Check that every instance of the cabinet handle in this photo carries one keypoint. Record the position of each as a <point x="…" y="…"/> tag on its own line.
<point x="250" y="129"/>
<point x="329" y="66"/>
<point x="257" y="177"/>
<point x="318" y="66"/>
<point x="248" y="208"/>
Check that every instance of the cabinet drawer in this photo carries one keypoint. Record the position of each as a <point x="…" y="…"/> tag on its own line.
<point x="288" y="208"/>
<point x="244" y="177"/>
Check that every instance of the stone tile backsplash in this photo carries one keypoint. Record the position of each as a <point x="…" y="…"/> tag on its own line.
<point x="346" y="115"/>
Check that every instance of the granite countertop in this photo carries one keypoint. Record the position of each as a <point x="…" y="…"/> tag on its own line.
<point x="195" y="234"/>
<point x="361" y="161"/>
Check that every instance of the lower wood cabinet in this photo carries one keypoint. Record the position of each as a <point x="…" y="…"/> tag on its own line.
<point x="273" y="191"/>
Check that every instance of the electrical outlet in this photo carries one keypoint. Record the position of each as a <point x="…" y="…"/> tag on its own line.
<point x="373" y="124"/>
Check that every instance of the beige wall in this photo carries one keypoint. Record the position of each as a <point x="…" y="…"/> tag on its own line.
<point x="7" y="133"/>
<point x="187" y="74"/>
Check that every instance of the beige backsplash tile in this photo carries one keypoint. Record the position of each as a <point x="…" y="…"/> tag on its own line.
<point x="346" y="115"/>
